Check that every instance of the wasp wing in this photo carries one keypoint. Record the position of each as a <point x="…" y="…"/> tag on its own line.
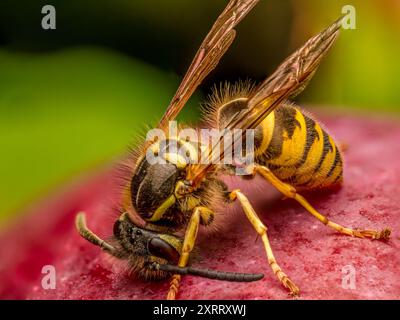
<point x="289" y="79"/>
<point x="214" y="46"/>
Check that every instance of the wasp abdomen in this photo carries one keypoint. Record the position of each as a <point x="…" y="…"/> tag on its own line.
<point x="291" y="144"/>
<point x="298" y="150"/>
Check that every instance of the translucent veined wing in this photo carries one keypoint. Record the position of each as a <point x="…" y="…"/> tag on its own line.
<point x="215" y="44"/>
<point x="289" y="79"/>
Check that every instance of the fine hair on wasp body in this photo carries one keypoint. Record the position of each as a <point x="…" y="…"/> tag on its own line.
<point x="163" y="204"/>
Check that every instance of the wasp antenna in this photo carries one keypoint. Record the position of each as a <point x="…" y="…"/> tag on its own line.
<point x="210" y="274"/>
<point x="85" y="232"/>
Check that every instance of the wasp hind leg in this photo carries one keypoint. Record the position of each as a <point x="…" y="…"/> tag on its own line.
<point x="261" y="229"/>
<point x="291" y="192"/>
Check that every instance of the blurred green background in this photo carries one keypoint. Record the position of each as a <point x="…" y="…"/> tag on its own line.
<point x="72" y="98"/>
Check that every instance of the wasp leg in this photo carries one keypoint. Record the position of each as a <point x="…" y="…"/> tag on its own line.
<point x="261" y="229"/>
<point x="206" y="216"/>
<point x="199" y="214"/>
<point x="80" y="224"/>
<point x="291" y="192"/>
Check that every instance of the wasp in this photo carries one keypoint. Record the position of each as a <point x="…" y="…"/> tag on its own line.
<point x="163" y="204"/>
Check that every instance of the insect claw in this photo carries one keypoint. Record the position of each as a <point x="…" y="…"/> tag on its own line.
<point x="385" y="234"/>
<point x="289" y="284"/>
<point x="372" y="234"/>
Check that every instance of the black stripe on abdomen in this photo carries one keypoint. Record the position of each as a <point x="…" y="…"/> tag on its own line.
<point x="285" y="120"/>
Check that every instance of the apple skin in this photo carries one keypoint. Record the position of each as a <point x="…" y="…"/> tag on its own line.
<point x="314" y="256"/>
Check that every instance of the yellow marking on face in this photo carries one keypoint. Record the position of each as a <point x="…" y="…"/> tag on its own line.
<point x="162" y="208"/>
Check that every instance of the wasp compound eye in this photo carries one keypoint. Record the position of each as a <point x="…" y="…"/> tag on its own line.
<point x="163" y="249"/>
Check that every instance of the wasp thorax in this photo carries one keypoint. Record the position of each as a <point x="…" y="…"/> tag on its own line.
<point x="151" y="186"/>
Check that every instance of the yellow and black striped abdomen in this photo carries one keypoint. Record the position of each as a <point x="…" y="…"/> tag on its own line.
<point x="297" y="150"/>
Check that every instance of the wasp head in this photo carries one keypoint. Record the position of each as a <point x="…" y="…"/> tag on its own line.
<point x="142" y="247"/>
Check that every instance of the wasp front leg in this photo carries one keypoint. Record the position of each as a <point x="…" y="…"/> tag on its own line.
<point x="200" y="214"/>
<point x="290" y="192"/>
<point x="261" y="229"/>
